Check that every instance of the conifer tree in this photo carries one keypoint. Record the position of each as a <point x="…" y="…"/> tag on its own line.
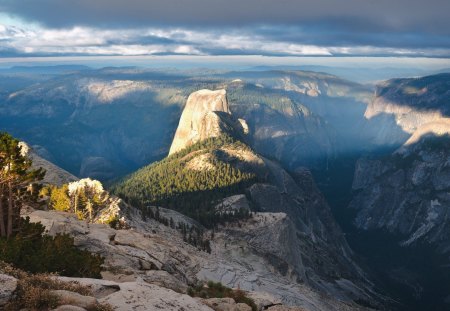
<point x="17" y="183"/>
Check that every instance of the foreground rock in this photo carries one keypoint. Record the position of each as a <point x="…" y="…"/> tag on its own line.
<point x="69" y="308"/>
<point x="155" y="257"/>
<point x="8" y="285"/>
<point x="139" y="295"/>
<point x="75" y="299"/>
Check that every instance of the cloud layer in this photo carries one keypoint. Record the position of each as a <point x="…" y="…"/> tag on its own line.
<point x="218" y="27"/>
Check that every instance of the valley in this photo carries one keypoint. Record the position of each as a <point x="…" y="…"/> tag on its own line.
<point x="324" y="193"/>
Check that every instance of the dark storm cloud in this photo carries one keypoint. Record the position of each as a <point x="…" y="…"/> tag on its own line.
<point x="392" y="15"/>
<point x="323" y="36"/>
<point x="421" y="27"/>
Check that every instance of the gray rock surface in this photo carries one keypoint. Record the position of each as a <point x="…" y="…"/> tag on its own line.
<point x="239" y="258"/>
<point x="407" y="193"/>
<point x="141" y="296"/>
<point x="69" y="308"/>
<point x="7" y="288"/>
<point x="200" y="118"/>
<point x="75" y="299"/>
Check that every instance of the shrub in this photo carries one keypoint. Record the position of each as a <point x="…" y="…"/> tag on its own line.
<point x="32" y="250"/>
<point x="34" y="291"/>
<point x="218" y="290"/>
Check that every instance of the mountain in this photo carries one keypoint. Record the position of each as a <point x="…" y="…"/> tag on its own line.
<point x="402" y="105"/>
<point x="401" y="199"/>
<point x="216" y="179"/>
<point x="115" y="120"/>
<point x="205" y="115"/>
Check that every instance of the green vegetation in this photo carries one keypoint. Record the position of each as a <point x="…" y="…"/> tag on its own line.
<point x="171" y="184"/>
<point x="85" y="198"/>
<point x="32" y="250"/>
<point x="23" y="243"/>
<point x="217" y="290"/>
<point x="34" y="291"/>
<point x="18" y="184"/>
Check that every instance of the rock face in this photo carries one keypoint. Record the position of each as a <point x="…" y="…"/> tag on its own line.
<point x="139" y="295"/>
<point x="402" y="106"/>
<point x="204" y="116"/>
<point x="402" y="199"/>
<point x="151" y="260"/>
<point x="407" y="193"/>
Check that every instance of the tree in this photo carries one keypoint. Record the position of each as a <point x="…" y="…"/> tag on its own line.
<point x="59" y="198"/>
<point x="17" y="183"/>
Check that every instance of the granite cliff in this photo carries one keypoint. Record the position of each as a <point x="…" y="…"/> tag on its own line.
<point x="309" y="247"/>
<point x="402" y="198"/>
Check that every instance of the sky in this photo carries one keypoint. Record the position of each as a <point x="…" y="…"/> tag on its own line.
<point x="400" y="28"/>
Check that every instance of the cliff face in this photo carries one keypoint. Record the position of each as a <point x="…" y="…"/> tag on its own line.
<point x="205" y="115"/>
<point x="304" y="245"/>
<point x="407" y="193"/>
<point x="402" y="106"/>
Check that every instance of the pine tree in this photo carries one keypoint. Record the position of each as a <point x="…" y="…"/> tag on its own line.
<point x="17" y="183"/>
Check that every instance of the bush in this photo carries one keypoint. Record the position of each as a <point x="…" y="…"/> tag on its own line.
<point x="34" y="291"/>
<point x="32" y="250"/>
<point x="218" y="290"/>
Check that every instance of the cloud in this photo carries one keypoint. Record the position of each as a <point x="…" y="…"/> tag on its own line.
<point x="232" y="27"/>
<point x="390" y="15"/>
<point x="163" y="41"/>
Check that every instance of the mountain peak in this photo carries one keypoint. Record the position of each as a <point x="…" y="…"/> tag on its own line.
<point x="205" y="115"/>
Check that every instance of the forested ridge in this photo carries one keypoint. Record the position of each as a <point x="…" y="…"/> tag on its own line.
<point x="172" y="184"/>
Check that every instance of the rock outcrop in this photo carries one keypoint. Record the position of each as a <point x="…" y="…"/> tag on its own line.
<point x="407" y="193"/>
<point x="205" y="115"/>
<point x="7" y="288"/>
<point x="138" y="295"/>
<point x="151" y="264"/>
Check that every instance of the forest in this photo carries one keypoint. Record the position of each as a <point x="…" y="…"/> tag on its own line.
<point x="195" y="193"/>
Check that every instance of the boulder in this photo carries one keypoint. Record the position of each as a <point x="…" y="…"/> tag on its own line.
<point x="7" y="288"/>
<point x="69" y="308"/>
<point x="164" y="279"/>
<point x="140" y="296"/>
<point x="75" y="299"/>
